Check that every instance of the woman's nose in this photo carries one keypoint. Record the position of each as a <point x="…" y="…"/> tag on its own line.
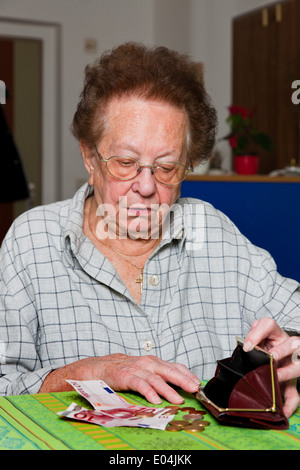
<point x="145" y="182"/>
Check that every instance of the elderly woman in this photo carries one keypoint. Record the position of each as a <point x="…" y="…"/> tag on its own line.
<point x="126" y="281"/>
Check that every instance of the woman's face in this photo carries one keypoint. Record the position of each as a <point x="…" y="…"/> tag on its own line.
<point x="151" y="132"/>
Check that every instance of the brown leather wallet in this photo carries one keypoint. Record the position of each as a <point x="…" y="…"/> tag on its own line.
<point x="245" y="391"/>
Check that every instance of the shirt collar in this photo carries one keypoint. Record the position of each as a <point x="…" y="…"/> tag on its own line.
<point x="73" y="228"/>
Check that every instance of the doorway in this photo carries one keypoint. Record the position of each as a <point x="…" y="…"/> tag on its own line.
<point x="22" y="72"/>
<point x="30" y="69"/>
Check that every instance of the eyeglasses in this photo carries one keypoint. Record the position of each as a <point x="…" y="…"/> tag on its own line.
<point x="127" y="168"/>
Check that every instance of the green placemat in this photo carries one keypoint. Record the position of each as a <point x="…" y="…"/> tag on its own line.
<point x="30" y="422"/>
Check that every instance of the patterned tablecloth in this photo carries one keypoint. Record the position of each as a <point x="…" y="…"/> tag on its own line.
<point x="30" y="422"/>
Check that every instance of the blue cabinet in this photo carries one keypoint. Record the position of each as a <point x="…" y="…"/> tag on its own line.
<point x="266" y="210"/>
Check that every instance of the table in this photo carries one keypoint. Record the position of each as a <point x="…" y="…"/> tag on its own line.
<point x="30" y="422"/>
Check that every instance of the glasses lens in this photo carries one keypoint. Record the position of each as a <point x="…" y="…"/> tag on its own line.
<point x="170" y="173"/>
<point x="123" y="168"/>
<point x="126" y="168"/>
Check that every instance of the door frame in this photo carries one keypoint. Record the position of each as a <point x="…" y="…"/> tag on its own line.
<point x="50" y="36"/>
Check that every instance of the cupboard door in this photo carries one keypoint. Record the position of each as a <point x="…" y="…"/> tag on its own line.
<point x="287" y="70"/>
<point x="266" y="52"/>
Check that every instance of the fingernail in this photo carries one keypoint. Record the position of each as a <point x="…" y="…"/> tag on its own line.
<point x="248" y="346"/>
<point x="194" y="386"/>
<point x="275" y="356"/>
<point x="279" y="376"/>
<point x="157" y="401"/>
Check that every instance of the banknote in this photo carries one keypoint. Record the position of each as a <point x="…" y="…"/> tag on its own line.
<point x="98" y="393"/>
<point x="110" y="409"/>
<point x="102" y="397"/>
<point x="116" y="417"/>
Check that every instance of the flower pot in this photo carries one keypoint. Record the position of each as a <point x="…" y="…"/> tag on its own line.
<point x="246" y="164"/>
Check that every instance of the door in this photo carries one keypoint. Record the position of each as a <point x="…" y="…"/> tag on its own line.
<point x="266" y="52"/>
<point x="20" y="70"/>
<point x="41" y="76"/>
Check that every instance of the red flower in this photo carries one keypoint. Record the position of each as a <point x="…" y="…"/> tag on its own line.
<point x="244" y="136"/>
<point x="233" y="141"/>
<point x="238" y="110"/>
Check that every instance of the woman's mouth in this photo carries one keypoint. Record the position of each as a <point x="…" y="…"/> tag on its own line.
<point x="138" y="211"/>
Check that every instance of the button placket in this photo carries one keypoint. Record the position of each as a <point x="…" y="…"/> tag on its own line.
<point x="154" y="280"/>
<point x="147" y="345"/>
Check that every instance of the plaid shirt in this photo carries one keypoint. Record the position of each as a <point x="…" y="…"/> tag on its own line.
<point x="61" y="300"/>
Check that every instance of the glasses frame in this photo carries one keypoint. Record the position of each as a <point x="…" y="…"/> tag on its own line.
<point x="142" y="166"/>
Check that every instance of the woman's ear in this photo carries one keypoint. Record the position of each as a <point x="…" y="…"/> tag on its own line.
<point x="88" y="159"/>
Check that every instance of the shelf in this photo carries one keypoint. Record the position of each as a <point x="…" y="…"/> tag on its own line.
<point x="245" y="178"/>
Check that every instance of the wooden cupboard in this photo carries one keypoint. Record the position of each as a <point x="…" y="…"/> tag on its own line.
<point x="266" y="62"/>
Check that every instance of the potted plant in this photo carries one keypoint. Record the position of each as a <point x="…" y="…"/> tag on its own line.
<point x="243" y="138"/>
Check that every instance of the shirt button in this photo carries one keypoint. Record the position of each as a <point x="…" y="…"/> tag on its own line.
<point x="148" y="345"/>
<point x="154" y="280"/>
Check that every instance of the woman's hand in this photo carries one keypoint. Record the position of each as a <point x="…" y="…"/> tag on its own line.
<point x="285" y="349"/>
<point x="150" y="376"/>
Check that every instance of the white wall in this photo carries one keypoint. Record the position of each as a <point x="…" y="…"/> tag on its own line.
<point x="110" y="22"/>
<point x="201" y="28"/>
<point x="171" y="22"/>
<point x="210" y="42"/>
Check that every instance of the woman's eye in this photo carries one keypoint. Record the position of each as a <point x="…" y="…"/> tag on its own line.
<point x="126" y="163"/>
<point x="166" y="167"/>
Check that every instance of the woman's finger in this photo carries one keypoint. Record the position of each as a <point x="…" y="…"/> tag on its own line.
<point x="287" y="348"/>
<point x="264" y="332"/>
<point x="291" y="397"/>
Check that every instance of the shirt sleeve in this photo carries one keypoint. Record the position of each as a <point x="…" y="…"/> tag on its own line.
<point x="262" y="291"/>
<point x="21" y="370"/>
<point x="278" y="296"/>
<point x="274" y="296"/>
